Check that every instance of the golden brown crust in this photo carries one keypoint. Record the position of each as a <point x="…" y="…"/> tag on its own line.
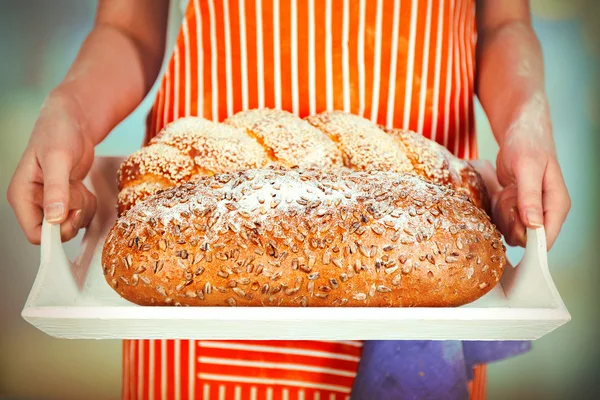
<point x="292" y="141"/>
<point x="438" y="165"/>
<point x="363" y="145"/>
<point x="304" y="238"/>
<point x="193" y="147"/>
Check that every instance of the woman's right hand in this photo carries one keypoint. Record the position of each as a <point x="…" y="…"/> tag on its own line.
<point x="48" y="179"/>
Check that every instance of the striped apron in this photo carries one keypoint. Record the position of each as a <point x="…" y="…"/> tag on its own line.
<point x="400" y="63"/>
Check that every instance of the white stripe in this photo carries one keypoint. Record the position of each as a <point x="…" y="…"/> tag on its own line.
<point x="294" y="28"/>
<point x="361" y="58"/>
<point x="424" y="69"/>
<point x="438" y="65"/>
<point x="285" y="394"/>
<point x="391" y="100"/>
<point x="229" y="80"/>
<point x="163" y="368"/>
<point x="214" y="72"/>
<point x="167" y="97"/>
<point x="449" y="83"/>
<point x="311" y="58"/>
<point x="206" y="392"/>
<point x="345" y="56"/>
<point x="200" y="63"/>
<point x="221" y="392"/>
<point x="457" y="78"/>
<point x="301" y="394"/>
<point x="328" y="55"/>
<point x="238" y="393"/>
<point x="317" y="396"/>
<point x="346" y="342"/>
<point x="270" y="393"/>
<point x="140" y="377"/>
<point x="187" y="79"/>
<point x="253" y="393"/>
<point x="243" y="52"/>
<point x="266" y="381"/>
<point x="276" y="365"/>
<point x="410" y="63"/>
<point x="278" y="350"/>
<point x="377" y="63"/>
<point x="177" y="361"/>
<point x="332" y="396"/>
<point x="260" y="55"/>
<point x="277" y="54"/>
<point x="192" y="370"/>
<point x="132" y="377"/>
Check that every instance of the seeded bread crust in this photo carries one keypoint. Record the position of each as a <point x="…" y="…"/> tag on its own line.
<point x="280" y="237"/>
<point x="193" y="147"/>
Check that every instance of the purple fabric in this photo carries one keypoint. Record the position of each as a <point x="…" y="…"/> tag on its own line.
<point x="415" y="370"/>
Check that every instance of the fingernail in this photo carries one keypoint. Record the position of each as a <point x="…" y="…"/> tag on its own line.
<point x="54" y="212"/>
<point x="535" y="218"/>
<point x="77" y="219"/>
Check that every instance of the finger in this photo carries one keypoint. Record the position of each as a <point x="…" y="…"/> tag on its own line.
<point x="67" y="229"/>
<point x="24" y="196"/>
<point x="56" y="168"/>
<point x="83" y="207"/>
<point x="557" y="202"/>
<point x="529" y="174"/>
<point x="505" y="216"/>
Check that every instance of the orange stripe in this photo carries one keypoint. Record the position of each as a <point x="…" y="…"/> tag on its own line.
<point x="250" y="9"/>
<point x="303" y="59"/>
<point x="405" y="12"/>
<point x="371" y="20"/>
<point x="333" y="347"/>
<point x="221" y="64"/>
<point x="320" y="55"/>
<point x="236" y="54"/>
<point x="354" y="11"/>
<point x="269" y="63"/>
<point x="184" y="369"/>
<point x="157" y="369"/>
<point x="384" y="72"/>
<point x="285" y="54"/>
<point x="277" y="357"/>
<point x="418" y="64"/>
<point x="193" y="52"/>
<point x="428" y="104"/>
<point x="337" y="23"/>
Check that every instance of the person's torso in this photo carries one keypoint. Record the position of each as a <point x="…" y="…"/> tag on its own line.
<point x="400" y="63"/>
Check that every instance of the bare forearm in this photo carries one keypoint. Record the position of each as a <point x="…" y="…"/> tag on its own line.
<point x="510" y="80"/>
<point x="116" y="66"/>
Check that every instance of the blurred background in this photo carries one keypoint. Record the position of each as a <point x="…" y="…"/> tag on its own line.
<point x="38" y="41"/>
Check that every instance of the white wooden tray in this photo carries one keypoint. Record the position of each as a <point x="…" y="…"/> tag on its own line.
<point x="73" y="300"/>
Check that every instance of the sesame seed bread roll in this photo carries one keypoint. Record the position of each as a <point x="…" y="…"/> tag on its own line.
<point x="275" y="237"/>
<point x="290" y="140"/>
<point x="438" y="165"/>
<point x="185" y="149"/>
<point x="364" y="146"/>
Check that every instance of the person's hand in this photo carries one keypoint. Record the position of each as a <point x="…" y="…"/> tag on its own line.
<point x="532" y="190"/>
<point x="48" y="178"/>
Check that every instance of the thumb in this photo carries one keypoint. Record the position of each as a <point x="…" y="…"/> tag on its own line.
<point x="56" y="168"/>
<point x="529" y="176"/>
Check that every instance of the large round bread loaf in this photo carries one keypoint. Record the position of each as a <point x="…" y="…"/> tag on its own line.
<point x="275" y="237"/>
